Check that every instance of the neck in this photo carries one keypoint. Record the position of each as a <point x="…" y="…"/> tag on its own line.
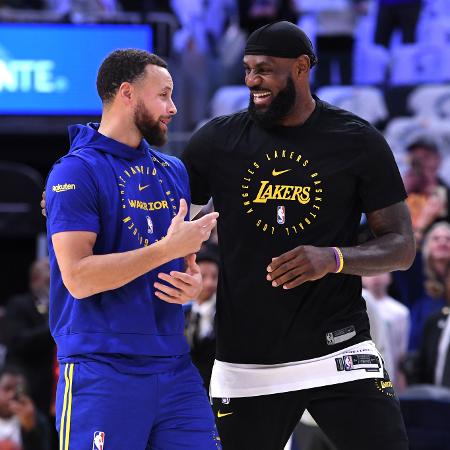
<point x="120" y="128"/>
<point x="301" y="111"/>
<point x="440" y="266"/>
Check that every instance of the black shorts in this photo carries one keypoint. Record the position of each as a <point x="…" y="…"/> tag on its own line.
<point x="358" y="415"/>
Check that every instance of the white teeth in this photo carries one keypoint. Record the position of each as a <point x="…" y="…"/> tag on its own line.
<point x="261" y="95"/>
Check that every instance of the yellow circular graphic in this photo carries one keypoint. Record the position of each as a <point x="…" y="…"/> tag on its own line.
<point x="136" y="189"/>
<point x="282" y="193"/>
<point x="385" y="386"/>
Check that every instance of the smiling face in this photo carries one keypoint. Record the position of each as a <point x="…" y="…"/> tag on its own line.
<point x="154" y="106"/>
<point x="273" y="93"/>
<point x="438" y="243"/>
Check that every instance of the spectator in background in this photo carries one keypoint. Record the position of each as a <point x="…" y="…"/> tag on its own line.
<point x="336" y="21"/>
<point x="395" y="15"/>
<point x="433" y="364"/>
<point x="428" y="198"/>
<point x="427" y="194"/>
<point x="31" y="346"/>
<point x="421" y="288"/>
<point x="202" y="26"/>
<point x="82" y="10"/>
<point x="22" y="427"/>
<point x="395" y="317"/>
<point x="253" y="14"/>
<point x="200" y="330"/>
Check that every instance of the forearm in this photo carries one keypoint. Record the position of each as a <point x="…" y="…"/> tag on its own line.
<point x="98" y="273"/>
<point x="85" y="274"/>
<point x="392" y="249"/>
<point x="383" y="254"/>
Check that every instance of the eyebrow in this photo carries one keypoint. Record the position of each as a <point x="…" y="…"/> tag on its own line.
<point x="260" y="65"/>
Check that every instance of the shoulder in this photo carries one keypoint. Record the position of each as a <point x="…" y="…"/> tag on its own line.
<point x="217" y="135"/>
<point x="368" y="145"/>
<point x="221" y="125"/>
<point x="73" y="170"/>
<point x="343" y="120"/>
<point x="169" y="160"/>
<point x="79" y="160"/>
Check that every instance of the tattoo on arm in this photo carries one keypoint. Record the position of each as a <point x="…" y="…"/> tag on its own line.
<point x="393" y="247"/>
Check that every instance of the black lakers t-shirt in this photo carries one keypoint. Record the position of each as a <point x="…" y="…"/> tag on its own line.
<point x="276" y="190"/>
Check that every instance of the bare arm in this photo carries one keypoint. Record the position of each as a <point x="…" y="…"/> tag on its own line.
<point x="86" y="274"/>
<point x="392" y="249"/>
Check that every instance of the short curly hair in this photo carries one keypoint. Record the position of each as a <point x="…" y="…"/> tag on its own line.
<point x="123" y="65"/>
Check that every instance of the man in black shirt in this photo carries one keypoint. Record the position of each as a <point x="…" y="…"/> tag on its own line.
<point x="290" y="178"/>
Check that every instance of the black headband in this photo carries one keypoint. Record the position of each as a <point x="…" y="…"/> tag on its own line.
<point x="282" y="40"/>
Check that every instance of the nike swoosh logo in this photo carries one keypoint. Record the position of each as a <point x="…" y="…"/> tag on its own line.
<point x="275" y="173"/>
<point x="141" y="188"/>
<point x="219" y="414"/>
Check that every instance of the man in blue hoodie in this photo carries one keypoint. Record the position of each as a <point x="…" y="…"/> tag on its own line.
<point x="117" y="237"/>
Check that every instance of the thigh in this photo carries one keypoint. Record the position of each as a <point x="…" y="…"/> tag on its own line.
<point x="360" y="414"/>
<point x="184" y="420"/>
<point x="264" y="422"/>
<point x="96" y="407"/>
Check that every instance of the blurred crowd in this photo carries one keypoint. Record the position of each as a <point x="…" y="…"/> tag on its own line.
<point x="409" y="311"/>
<point x="358" y="42"/>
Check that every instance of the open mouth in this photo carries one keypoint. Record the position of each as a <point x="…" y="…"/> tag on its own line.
<point x="165" y="122"/>
<point x="261" y="97"/>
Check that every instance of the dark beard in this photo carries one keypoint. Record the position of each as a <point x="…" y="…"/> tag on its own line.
<point x="150" y="128"/>
<point x="280" y="107"/>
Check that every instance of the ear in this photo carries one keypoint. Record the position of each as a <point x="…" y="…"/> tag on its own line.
<point x="125" y="92"/>
<point x="302" y="65"/>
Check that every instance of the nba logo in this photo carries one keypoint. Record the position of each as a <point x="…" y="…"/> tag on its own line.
<point x="281" y="215"/>
<point x="149" y="225"/>
<point x="348" y="363"/>
<point x="99" y="440"/>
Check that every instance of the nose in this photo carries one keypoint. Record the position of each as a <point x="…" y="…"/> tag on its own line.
<point x="252" y="80"/>
<point x="172" y="108"/>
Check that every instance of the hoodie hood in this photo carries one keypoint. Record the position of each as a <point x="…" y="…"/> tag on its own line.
<point x="82" y="136"/>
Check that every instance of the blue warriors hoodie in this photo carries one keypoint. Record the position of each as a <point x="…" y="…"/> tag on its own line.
<point x="128" y="197"/>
